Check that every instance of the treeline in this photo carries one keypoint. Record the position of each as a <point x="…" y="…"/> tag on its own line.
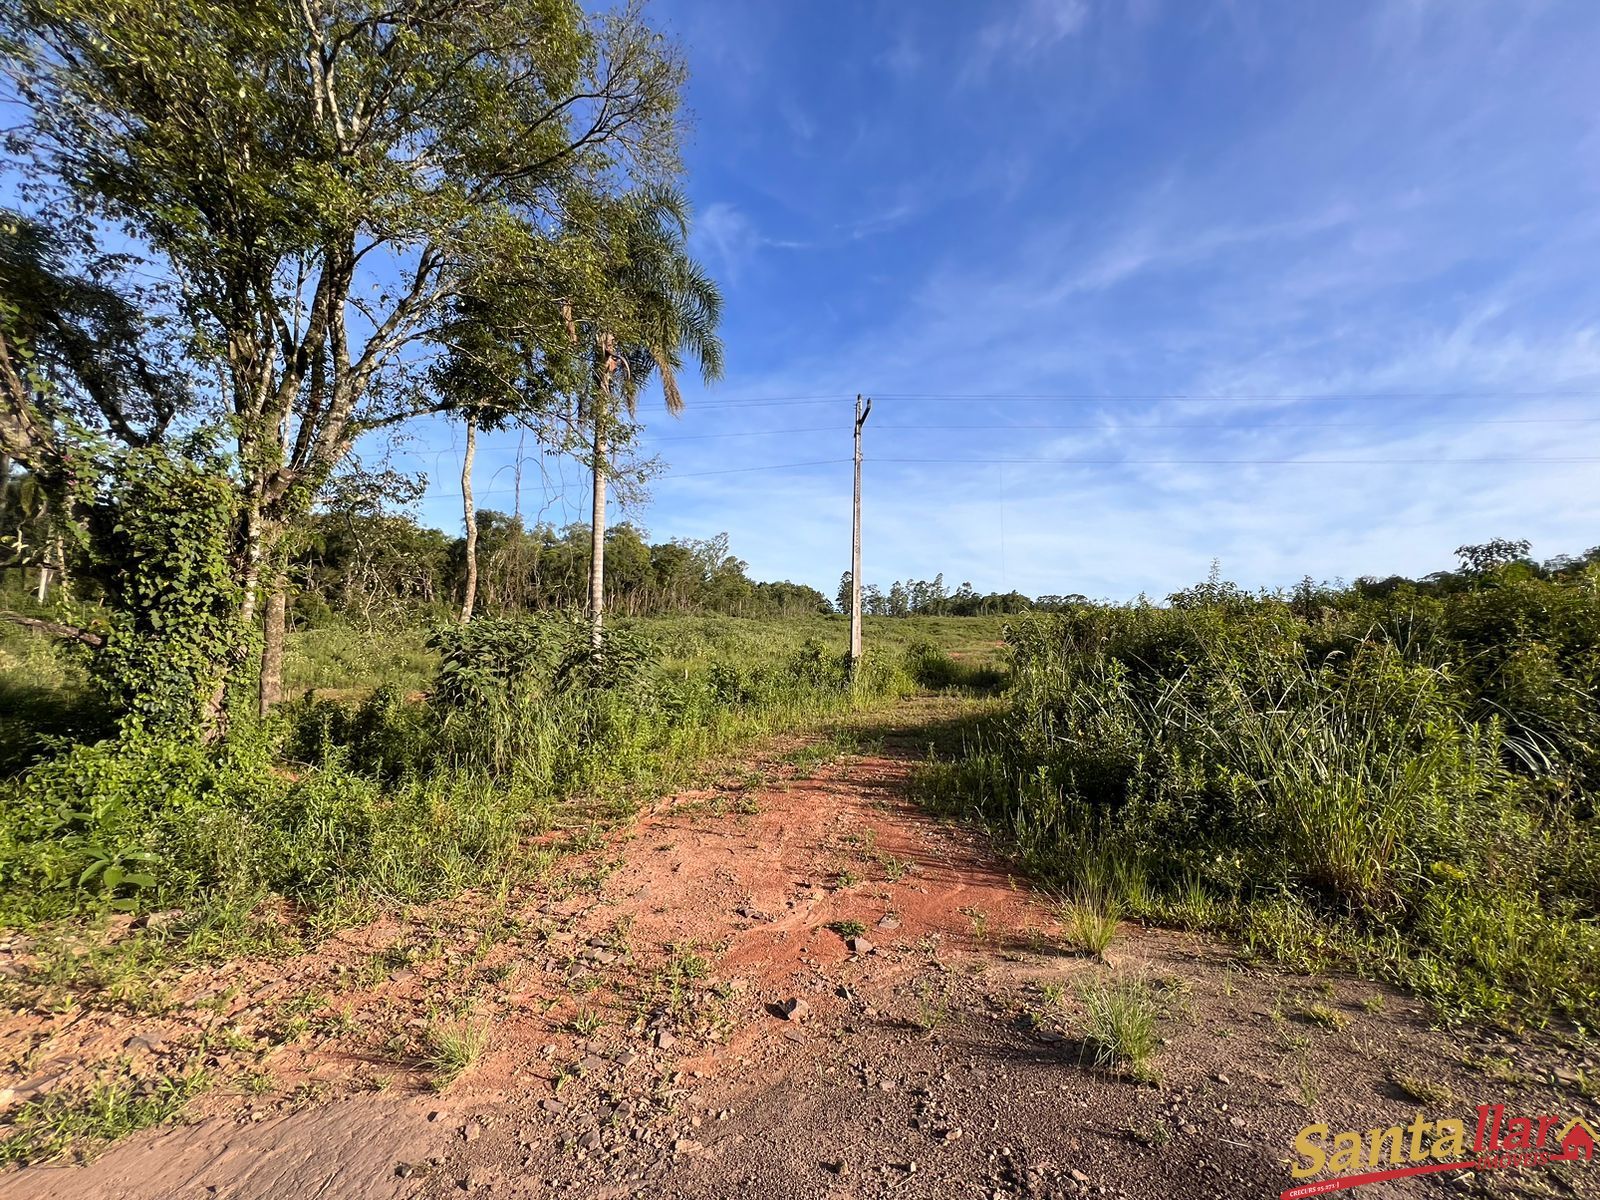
<point x="384" y="568"/>
<point x="930" y="598"/>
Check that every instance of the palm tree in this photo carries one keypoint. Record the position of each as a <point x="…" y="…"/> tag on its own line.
<point x="664" y="308"/>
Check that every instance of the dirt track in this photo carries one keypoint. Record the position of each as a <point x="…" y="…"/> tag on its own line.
<point x="637" y="1046"/>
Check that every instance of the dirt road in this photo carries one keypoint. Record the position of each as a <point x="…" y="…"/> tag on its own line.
<point x="641" y="1039"/>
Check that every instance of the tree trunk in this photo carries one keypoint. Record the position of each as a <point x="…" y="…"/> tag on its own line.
<point x="273" y="634"/>
<point x="469" y="510"/>
<point x="597" y="534"/>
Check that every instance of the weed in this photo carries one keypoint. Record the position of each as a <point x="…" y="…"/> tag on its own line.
<point x="1307" y="1083"/>
<point x="847" y="928"/>
<point x="1090" y="923"/>
<point x="1325" y="1015"/>
<point x="1120" y="1024"/>
<point x="894" y="869"/>
<point x="933" y="1004"/>
<point x="258" y="1083"/>
<point x="451" y="1047"/>
<point x="980" y="922"/>
<point x="111" y="1108"/>
<point x="1421" y="1090"/>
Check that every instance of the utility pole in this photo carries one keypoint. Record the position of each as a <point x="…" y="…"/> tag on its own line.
<point x="855" y="544"/>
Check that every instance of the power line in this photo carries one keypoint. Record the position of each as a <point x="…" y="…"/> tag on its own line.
<point x="1190" y="398"/>
<point x="825" y="462"/>
<point x="1244" y="462"/>
<point x="1140" y="398"/>
<point x="1191" y="425"/>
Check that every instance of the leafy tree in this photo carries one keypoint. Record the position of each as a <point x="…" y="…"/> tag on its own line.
<point x="322" y="182"/>
<point x="80" y="362"/>
<point x="1495" y="553"/>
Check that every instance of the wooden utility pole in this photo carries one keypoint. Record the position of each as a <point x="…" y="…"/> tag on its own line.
<point x="855" y="544"/>
<point x="469" y="511"/>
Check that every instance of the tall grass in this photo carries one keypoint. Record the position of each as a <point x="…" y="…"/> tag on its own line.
<point x="391" y="797"/>
<point x="1325" y="790"/>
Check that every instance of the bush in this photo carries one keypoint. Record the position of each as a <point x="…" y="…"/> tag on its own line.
<point x="395" y="798"/>
<point x="1406" y="783"/>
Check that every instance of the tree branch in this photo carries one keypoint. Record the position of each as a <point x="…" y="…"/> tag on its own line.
<point x="54" y="628"/>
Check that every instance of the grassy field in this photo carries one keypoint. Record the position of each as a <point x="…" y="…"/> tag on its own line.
<point x="1404" y="787"/>
<point x="349" y="661"/>
<point x="412" y="763"/>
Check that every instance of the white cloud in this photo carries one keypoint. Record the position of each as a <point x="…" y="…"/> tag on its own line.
<point x="1025" y="31"/>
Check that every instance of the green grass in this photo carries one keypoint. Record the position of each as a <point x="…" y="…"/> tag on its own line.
<point x="346" y="805"/>
<point x="451" y="1047"/>
<point x="1089" y="922"/>
<point x="1405" y="787"/>
<point x="74" y="1123"/>
<point x="1120" y="1024"/>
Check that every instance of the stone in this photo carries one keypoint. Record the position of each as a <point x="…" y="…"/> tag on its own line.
<point x="686" y="1146"/>
<point x="859" y="945"/>
<point x="1078" y="1176"/>
<point x="472" y="1130"/>
<point x="665" y="1040"/>
<point x="793" y="1009"/>
<point x="552" y="1106"/>
<point x="589" y="1139"/>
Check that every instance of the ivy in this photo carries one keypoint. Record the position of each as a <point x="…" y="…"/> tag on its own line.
<point x="176" y="630"/>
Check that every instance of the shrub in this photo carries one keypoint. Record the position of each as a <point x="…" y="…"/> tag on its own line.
<point x="1406" y="784"/>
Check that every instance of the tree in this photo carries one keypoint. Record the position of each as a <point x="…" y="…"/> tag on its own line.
<point x="1496" y="552"/>
<point x="469" y="590"/>
<point x="843" y="596"/>
<point x="658" y="305"/>
<point x="77" y="351"/>
<point x="322" y="181"/>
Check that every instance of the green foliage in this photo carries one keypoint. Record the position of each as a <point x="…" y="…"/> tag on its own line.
<point x="111" y="1108"/>
<point x="170" y="584"/>
<point x="934" y="668"/>
<point x="452" y="1047"/>
<point x="1405" y="782"/>
<point x="394" y="798"/>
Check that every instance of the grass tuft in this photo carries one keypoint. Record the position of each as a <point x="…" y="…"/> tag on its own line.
<point x="1120" y="1024"/>
<point x="452" y="1047"/>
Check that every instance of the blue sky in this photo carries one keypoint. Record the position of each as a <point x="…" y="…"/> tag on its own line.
<point x="1369" y="231"/>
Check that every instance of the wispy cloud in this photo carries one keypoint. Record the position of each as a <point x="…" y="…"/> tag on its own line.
<point x="1026" y="30"/>
<point x="1328" y="209"/>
